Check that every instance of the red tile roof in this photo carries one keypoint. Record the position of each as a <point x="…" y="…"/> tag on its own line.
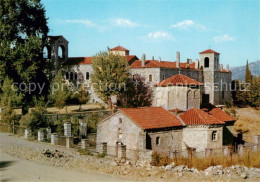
<point x="87" y="60"/>
<point x="178" y="79"/>
<point x="161" y="64"/>
<point x="225" y="71"/>
<point x="151" y="117"/>
<point x="78" y="60"/>
<point x="119" y="48"/>
<point x="209" y="51"/>
<point x="221" y="115"/>
<point x="196" y="116"/>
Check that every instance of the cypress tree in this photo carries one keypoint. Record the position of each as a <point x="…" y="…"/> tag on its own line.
<point x="248" y="75"/>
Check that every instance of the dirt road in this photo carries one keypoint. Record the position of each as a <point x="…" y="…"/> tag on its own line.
<point x="24" y="170"/>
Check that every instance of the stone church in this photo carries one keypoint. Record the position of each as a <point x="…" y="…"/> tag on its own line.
<point x="176" y="84"/>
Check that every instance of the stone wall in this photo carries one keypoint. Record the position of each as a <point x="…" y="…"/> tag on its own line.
<point x="112" y="132"/>
<point x="200" y="137"/>
<point x="181" y="97"/>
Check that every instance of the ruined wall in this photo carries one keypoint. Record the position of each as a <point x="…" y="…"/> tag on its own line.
<point x="112" y="132"/>
<point x="223" y="80"/>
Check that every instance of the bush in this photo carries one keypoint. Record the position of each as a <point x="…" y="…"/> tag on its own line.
<point x="92" y="123"/>
<point x="85" y="152"/>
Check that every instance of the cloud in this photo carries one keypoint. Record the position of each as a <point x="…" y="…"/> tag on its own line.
<point x="120" y="22"/>
<point x="160" y="35"/>
<point x="85" y="22"/>
<point x="186" y="24"/>
<point x="223" y="38"/>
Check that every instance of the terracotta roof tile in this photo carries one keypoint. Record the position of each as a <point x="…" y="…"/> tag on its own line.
<point x="78" y="60"/>
<point x="196" y="116"/>
<point x="151" y="117"/>
<point x="130" y="57"/>
<point x="221" y="115"/>
<point x="119" y="48"/>
<point x="209" y="51"/>
<point x="161" y="64"/>
<point x="178" y="79"/>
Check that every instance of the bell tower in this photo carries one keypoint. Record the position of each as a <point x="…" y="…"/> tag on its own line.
<point x="209" y="60"/>
<point x="55" y="51"/>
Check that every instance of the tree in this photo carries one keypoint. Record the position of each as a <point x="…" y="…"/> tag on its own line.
<point x="23" y="25"/>
<point x="59" y="91"/>
<point x="248" y="75"/>
<point x="255" y="89"/>
<point x="110" y="75"/>
<point x="137" y="94"/>
<point x="8" y="116"/>
<point x="10" y="94"/>
<point x="82" y="96"/>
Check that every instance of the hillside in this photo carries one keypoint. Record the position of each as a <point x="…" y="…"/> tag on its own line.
<point x="238" y="73"/>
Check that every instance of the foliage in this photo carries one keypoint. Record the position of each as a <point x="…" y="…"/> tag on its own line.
<point x="249" y="159"/>
<point x="137" y="94"/>
<point x="8" y="116"/>
<point x="85" y="152"/>
<point x="249" y="97"/>
<point x="92" y="123"/>
<point x="240" y="127"/>
<point x="37" y="118"/>
<point x="75" y="127"/>
<point x="22" y="26"/>
<point x="82" y="96"/>
<point x="9" y="93"/>
<point x="248" y="75"/>
<point x="59" y="91"/>
<point x="110" y="74"/>
<point x="101" y="155"/>
<point x="231" y="111"/>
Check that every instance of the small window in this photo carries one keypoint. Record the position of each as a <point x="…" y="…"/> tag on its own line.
<point x="157" y="140"/>
<point x="71" y="76"/>
<point x="67" y="75"/>
<point x="206" y="62"/>
<point x="150" y="78"/>
<point x="119" y="133"/>
<point x="87" y="76"/>
<point x="214" y="136"/>
<point x="76" y="76"/>
<point x="120" y="120"/>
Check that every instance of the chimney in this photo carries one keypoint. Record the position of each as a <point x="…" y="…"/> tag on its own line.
<point x="177" y="59"/>
<point x="197" y="64"/>
<point x="221" y="67"/>
<point x="227" y="67"/>
<point x="143" y="60"/>
<point x="152" y="57"/>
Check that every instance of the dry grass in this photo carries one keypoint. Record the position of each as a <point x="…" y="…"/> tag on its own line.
<point x="248" y="121"/>
<point x="249" y="159"/>
<point x="68" y="109"/>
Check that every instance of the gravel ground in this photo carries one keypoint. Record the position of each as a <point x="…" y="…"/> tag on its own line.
<point x="69" y="160"/>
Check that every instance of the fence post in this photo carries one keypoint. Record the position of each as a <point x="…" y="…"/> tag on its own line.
<point x="40" y="135"/>
<point x="67" y="129"/>
<point x="27" y="133"/>
<point x="69" y="142"/>
<point x="226" y="151"/>
<point x="54" y="139"/>
<point x="84" y="144"/>
<point x="48" y="130"/>
<point x="240" y="149"/>
<point x="104" y="148"/>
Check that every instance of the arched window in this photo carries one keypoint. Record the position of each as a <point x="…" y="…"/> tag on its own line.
<point x="71" y="76"/>
<point x="67" y="75"/>
<point x="120" y="120"/>
<point x="206" y="62"/>
<point x="163" y="77"/>
<point x="61" y="52"/>
<point x="150" y="78"/>
<point x="214" y="136"/>
<point x="157" y="142"/>
<point x="46" y="52"/>
<point x="87" y="76"/>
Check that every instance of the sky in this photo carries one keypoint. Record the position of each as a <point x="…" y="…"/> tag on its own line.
<point x="159" y="28"/>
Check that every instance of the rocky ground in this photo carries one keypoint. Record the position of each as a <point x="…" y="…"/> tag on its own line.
<point x="60" y="157"/>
